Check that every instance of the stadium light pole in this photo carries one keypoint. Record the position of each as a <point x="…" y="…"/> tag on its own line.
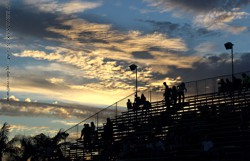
<point x="228" y="46"/>
<point x="132" y="68"/>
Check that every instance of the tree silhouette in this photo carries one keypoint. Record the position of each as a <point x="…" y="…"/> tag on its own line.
<point x="6" y="147"/>
<point x="38" y="148"/>
<point x="4" y="132"/>
<point x="49" y="148"/>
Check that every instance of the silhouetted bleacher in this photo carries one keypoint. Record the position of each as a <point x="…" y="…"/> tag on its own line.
<point x="177" y="134"/>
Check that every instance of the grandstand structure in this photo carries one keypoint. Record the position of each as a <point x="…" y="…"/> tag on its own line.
<point x="207" y="126"/>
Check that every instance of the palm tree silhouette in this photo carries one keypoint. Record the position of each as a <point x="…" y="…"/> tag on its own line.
<point x="4" y="131"/>
<point x="39" y="147"/>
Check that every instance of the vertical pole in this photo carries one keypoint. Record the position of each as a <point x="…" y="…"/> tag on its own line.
<point x="116" y="110"/>
<point x="232" y="55"/>
<point x="205" y="86"/>
<point x="150" y="95"/>
<point x="136" y="81"/>
<point x="97" y="121"/>
<point x="77" y="141"/>
<point x="196" y="86"/>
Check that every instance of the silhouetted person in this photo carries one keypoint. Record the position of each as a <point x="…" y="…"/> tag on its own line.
<point x="108" y="131"/>
<point x="237" y="84"/>
<point x="222" y="86"/>
<point x="147" y="106"/>
<point x="181" y="89"/>
<point x="229" y="86"/>
<point x="246" y="81"/>
<point x="94" y="136"/>
<point x="86" y="134"/>
<point x="136" y="103"/>
<point x="129" y="104"/>
<point x="167" y="95"/>
<point x="143" y="99"/>
<point x="92" y="126"/>
<point x="174" y="95"/>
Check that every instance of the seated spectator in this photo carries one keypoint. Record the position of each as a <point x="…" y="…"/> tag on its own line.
<point x="129" y="104"/>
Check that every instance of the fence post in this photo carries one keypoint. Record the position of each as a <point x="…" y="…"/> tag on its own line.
<point x="97" y="120"/>
<point x="77" y="140"/>
<point x="196" y="86"/>
<point x="116" y="110"/>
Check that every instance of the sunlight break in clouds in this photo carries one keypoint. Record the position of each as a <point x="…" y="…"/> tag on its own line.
<point x="70" y="7"/>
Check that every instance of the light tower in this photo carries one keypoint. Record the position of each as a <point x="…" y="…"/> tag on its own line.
<point x="134" y="67"/>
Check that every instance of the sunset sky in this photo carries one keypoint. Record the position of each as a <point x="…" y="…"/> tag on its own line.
<point x="79" y="51"/>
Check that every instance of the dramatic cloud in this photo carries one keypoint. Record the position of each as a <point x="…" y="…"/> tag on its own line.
<point x="197" y="5"/>
<point x="38" y="109"/>
<point x="214" y="15"/>
<point x="114" y="46"/>
<point x="219" y="20"/>
<point x="185" y="31"/>
<point x="102" y="55"/>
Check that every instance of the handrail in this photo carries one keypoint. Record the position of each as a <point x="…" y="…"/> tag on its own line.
<point x="225" y="75"/>
<point x="99" y="112"/>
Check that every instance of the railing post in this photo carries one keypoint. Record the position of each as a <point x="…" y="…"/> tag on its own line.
<point x="97" y="120"/>
<point x="196" y="86"/>
<point x="205" y="86"/>
<point x="77" y="141"/>
<point x="150" y="95"/>
<point x="116" y="109"/>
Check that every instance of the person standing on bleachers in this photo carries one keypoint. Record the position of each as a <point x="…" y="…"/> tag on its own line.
<point x="167" y="95"/>
<point x="94" y="134"/>
<point x="108" y="131"/>
<point x="181" y="92"/>
<point x="86" y="135"/>
<point x="222" y="86"/>
<point x="229" y="85"/>
<point x="143" y="99"/>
